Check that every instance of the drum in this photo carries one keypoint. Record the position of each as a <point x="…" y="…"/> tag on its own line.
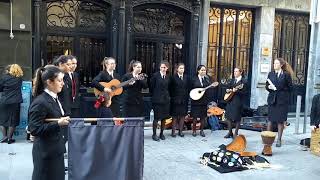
<point x="268" y="138"/>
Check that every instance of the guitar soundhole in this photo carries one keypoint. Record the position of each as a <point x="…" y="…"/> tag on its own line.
<point x="113" y="88"/>
<point x="199" y="91"/>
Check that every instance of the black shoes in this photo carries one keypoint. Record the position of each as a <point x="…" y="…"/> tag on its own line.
<point x="181" y="134"/>
<point x="194" y="134"/>
<point x="162" y="137"/>
<point x="229" y="135"/>
<point x="10" y="141"/>
<point x="155" y="138"/>
<point x="173" y="135"/>
<point x="4" y="140"/>
<point x="202" y="134"/>
<point x="278" y="144"/>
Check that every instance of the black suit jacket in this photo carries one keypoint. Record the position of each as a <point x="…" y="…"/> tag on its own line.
<point x="11" y="88"/>
<point x="76" y="101"/>
<point x="179" y="89"/>
<point x="315" y="110"/>
<point x="283" y="85"/>
<point x="132" y="93"/>
<point x="49" y="142"/>
<point x="65" y="96"/>
<point x="205" y="99"/>
<point x="159" y="88"/>
<point x="105" y="112"/>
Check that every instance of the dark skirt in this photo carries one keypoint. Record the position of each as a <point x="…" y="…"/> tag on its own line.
<point x="179" y="110"/>
<point x="11" y="116"/>
<point x="199" y="111"/>
<point x="161" y="111"/>
<point x="233" y="112"/>
<point x="278" y="113"/>
<point x="133" y="110"/>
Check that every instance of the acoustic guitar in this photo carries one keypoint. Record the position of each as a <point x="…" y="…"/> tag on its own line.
<point x="228" y="96"/>
<point x="197" y="93"/>
<point x="116" y="86"/>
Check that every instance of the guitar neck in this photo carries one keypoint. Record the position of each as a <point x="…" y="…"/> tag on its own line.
<point x="126" y="82"/>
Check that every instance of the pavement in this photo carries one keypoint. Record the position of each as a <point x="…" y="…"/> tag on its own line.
<point x="178" y="158"/>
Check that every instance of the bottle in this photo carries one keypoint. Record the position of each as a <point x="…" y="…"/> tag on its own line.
<point x="151" y="115"/>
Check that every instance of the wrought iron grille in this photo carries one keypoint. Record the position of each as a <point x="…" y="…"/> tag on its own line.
<point x="92" y="51"/>
<point x="229" y="41"/>
<point x="291" y="41"/>
<point x="229" y="44"/>
<point x="76" y="14"/>
<point x="58" y="45"/>
<point x="158" y="21"/>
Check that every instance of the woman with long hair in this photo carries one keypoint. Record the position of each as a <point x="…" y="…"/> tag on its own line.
<point x="10" y="86"/>
<point x="159" y="88"/>
<point x="132" y="97"/>
<point x="199" y="107"/>
<point x="279" y="85"/>
<point x="237" y="86"/>
<point x="48" y="147"/>
<point x="179" y="91"/>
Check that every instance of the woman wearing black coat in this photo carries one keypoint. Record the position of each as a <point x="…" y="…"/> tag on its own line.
<point x="315" y="112"/>
<point x="10" y="86"/>
<point x="132" y="96"/>
<point x="179" y="91"/>
<point x="48" y="146"/>
<point x="106" y="75"/>
<point x="159" y="88"/>
<point x="235" y="104"/>
<point x="199" y="107"/>
<point x="279" y="85"/>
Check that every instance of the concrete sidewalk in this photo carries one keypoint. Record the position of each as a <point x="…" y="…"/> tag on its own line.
<point x="178" y="158"/>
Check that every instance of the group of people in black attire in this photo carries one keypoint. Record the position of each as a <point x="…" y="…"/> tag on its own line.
<point x="56" y="95"/>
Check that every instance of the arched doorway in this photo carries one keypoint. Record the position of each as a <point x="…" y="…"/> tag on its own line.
<point x="77" y="27"/>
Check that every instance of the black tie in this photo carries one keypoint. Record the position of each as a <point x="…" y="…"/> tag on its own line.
<point x="163" y="76"/>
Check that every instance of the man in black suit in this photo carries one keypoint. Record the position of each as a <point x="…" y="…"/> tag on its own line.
<point x="75" y="88"/>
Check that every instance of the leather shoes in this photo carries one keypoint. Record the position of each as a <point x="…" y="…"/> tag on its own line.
<point x="10" y="141"/>
<point x="229" y="135"/>
<point x="278" y="144"/>
<point x="181" y="134"/>
<point x="174" y="135"/>
<point x="162" y="137"/>
<point x="202" y="134"/>
<point x="194" y="134"/>
<point x="155" y="138"/>
<point x="4" y="140"/>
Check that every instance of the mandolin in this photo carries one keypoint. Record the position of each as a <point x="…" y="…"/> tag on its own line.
<point x="116" y="86"/>
<point x="197" y="93"/>
<point x="228" y="96"/>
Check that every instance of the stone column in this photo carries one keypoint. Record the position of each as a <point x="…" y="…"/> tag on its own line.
<point x="204" y="26"/>
<point x="37" y="41"/>
<point x="261" y="62"/>
<point x="121" y="38"/>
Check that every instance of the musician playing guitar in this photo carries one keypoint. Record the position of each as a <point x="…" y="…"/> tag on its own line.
<point x="235" y="104"/>
<point x="199" y="107"/>
<point x="106" y="75"/>
<point x="132" y="96"/>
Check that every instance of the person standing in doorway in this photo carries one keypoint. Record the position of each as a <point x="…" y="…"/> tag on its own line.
<point x="279" y="85"/>
<point x="10" y="86"/>
<point x="179" y="91"/>
<point x="199" y="107"/>
<point x="238" y="87"/>
<point x="106" y="75"/>
<point x="159" y="88"/>
<point x="75" y="87"/>
<point x="133" y="105"/>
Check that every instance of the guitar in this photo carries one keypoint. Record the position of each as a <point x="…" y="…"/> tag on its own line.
<point x="228" y="96"/>
<point x="116" y="86"/>
<point x="197" y="93"/>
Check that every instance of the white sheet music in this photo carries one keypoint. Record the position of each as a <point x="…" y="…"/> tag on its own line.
<point x="272" y="85"/>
